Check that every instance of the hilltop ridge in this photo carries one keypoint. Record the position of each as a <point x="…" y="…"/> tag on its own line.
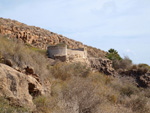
<point x="42" y="38"/>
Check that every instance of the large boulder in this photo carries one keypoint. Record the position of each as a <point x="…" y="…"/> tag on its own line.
<point x="18" y="88"/>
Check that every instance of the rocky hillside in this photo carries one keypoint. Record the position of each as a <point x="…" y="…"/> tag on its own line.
<point x="32" y="83"/>
<point x="41" y="38"/>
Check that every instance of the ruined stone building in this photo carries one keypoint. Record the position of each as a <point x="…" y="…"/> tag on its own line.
<point x="62" y="53"/>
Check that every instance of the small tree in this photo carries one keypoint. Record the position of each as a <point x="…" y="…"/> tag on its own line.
<point x="112" y="54"/>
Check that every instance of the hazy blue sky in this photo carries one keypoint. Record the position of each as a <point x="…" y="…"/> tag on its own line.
<point x="120" y="24"/>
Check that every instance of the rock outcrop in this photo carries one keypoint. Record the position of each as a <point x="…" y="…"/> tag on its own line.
<point x="141" y="76"/>
<point x="144" y="80"/>
<point x="102" y="65"/>
<point x="17" y="87"/>
<point x="41" y="38"/>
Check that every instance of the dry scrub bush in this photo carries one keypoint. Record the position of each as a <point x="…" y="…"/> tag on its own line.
<point x="144" y="66"/>
<point x="22" y="56"/>
<point x="5" y="107"/>
<point x="90" y="95"/>
<point x="125" y="63"/>
<point x="42" y="104"/>
<point x="140" y="69"/>
<point x="95" y="94"/>
<point x="80" y="94"/>
<point x="93" y="91"/>
<point x="51" y="104"/>
<point x="110" y="108"/>
<point x="64" y="71"/>
<point x="132" y="97"/>
<point x="125" y="86"/>
<point x="138" y="104"/>
<point x="146" y="93"/>
<point x="128" y="90"/>
<point x="77" y="95"/>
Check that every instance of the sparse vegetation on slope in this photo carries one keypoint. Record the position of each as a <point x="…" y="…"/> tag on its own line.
<point x="20" y="56"/>
<point x="96" y="93"/>
<point x="74" y="87"/>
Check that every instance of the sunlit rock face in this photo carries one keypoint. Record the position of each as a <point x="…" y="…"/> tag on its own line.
<point x="18" y="88"/>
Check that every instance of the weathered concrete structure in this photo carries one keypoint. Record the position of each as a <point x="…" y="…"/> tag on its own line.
<point x="54" y="51"/>
<point x="80" y="53"/>
<point x="61" y="52"/>
<point x="58" y="52"/>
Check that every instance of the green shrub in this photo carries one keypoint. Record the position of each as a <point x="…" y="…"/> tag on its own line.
<point x="113" y="55"/>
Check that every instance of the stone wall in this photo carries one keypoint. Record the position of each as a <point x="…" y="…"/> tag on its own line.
<point x="79" y="53"/>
